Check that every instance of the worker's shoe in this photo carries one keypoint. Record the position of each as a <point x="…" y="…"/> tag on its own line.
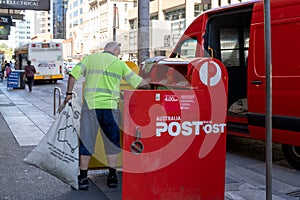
<point x="112" y="181"/>
<point x="83" y="183"/>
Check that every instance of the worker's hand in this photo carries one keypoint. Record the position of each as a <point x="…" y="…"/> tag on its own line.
<point x="67" y="99"/>
<point x="61" y="107"/>
<point x="144" y="85"/>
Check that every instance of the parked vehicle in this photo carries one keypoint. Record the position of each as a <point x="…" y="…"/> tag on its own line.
<point x="45" y="56"/>
<point x="235" y="35"/>
<point x="70" y="66"/>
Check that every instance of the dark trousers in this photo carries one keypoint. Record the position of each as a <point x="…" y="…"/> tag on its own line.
<point x="2" y="74"/>
<point x="30" y="82"/>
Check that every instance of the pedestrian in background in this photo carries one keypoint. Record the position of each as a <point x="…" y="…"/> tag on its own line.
<point x="7" y="70"/>
<point x="3" y="69"/>
<point x="103" y="74"/>
<point x="12" y="65"/>
<point x="29" y="73"/>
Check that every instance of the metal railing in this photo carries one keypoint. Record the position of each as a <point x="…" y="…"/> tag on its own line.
<point x="56" y="89"/>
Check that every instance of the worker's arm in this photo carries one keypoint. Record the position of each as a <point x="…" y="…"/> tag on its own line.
<point x="71" y="83"/>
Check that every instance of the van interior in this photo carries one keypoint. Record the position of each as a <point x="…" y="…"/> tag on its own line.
<point x="227" y="38"/>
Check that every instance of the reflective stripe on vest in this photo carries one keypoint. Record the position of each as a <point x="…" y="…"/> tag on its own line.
<point x="128" y="76"/>
<point x="107" y="91"/>
<point x="102" y="72"/>
<point x="83" y="67"/>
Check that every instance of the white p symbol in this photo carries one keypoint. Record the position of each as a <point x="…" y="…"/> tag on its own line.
<point x="206" y="76"/>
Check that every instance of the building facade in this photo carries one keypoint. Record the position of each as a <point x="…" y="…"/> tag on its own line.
<point x="219" y="3"/>
<point x="44" y="22"/>
<point x="58" y="9"/>
<point x="91" y="23"/>
<point x="86" y="25"/>
<point x="25" y="29"/>
<point x="42" y="25"/>
<point x="168" y="21"/>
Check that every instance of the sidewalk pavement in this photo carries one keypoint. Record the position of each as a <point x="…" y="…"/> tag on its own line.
<point x="28" y="111"/>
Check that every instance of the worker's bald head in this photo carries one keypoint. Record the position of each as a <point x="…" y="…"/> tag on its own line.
<point x="113" y="47"/>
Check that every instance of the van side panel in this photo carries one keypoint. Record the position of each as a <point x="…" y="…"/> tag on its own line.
<point x="285" y="68"/>
<point x="285" y="23"/>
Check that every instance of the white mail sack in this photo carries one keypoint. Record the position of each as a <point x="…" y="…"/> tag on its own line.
<point x="58" y="153"/>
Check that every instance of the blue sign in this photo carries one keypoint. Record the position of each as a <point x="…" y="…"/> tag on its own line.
<point x="13" y="80"/>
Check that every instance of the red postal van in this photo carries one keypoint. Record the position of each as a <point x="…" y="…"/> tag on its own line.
<point x="235" y="35"/>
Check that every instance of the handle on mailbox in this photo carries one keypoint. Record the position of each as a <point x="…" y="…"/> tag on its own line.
<point x="137" y="146"/>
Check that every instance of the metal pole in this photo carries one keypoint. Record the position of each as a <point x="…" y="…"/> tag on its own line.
<point x="268" y="54"/>
<point x="54" y="99"/>
<point x="114" y="22"/>
<point x="143" y="30"/>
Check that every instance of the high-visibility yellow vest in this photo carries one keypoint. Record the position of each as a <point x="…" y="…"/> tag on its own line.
<point x="103" y="73"/>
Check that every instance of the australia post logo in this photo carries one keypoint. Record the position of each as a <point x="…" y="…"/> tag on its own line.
<point x="210" y="73"/>
<point x="187" y="128"/>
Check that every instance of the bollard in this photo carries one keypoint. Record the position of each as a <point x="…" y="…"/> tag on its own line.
<point x="54" y="99"/>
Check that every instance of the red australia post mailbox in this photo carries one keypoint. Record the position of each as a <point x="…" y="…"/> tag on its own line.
<point x="174" y="138"/>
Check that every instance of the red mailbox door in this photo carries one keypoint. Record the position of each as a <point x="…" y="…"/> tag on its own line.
<point x="163" y="147"/>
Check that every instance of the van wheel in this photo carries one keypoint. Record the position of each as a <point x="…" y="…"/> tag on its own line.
<point x="292" y="155"/>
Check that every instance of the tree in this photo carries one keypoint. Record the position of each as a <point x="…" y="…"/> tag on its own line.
<point x="3" y="46"/>
<point x="8" y="52"/>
